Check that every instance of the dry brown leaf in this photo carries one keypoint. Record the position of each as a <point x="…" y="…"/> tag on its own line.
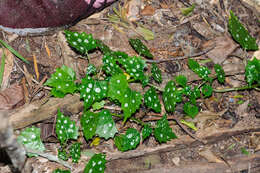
<point x="11" y="97"/>
<point x="210" y="156"/>
<point x="133" y="9"/>
<point x="148" y="11"/>
<point x="242" y="109"/>
<point x="224" y="47"/>
<point x="9" y="63"/>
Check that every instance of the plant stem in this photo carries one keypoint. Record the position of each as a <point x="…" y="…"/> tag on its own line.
<point x="156" y="87"/>
<point x="131" y="118"/>
<point x="236" y="88"/>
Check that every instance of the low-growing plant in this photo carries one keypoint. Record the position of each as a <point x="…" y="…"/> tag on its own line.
<point x="120" y="70"/>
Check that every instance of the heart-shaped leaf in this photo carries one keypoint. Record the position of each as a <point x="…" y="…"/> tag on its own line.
<point x="106" y="127"/>
<point x="134" y="66"/>
<point x="163" y="132"/>
<point x="82" y="42"/>
<point x="65" y="128"/>
<point x="140" y="48"/>
<point x="62" y="81"/>
<point x="88" y="123"/>
<point x="128" y="141"/>
<point x="97" y="164"/>
<point x="92" y="91"/>
<point x="240" y="33"/>
<point x="171" y="96"/>
<point x="75" y="152"/>
<point x="30" y="138"/>
<point x="151" y="100"/>
<point x="156" y="73"/>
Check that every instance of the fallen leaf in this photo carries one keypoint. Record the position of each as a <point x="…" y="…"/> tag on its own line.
<point x="241" y="110"/>
<point x="148" y="11"/>
<point x="224" y="46"/>
<point x="11" y="97"/>
<point x="210" y="156"/>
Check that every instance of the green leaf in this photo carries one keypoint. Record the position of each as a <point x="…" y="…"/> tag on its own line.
<point x="13" y="51"/>
<point x="97" y="164"/>
<point x="195" y="94"/>
<point x="128" y="141"/>
<point x="193" y="64"/>
<point x="61" y="171"/>
<point x="62" y="154"/>
<point x="190" y="109"/>
<point x="135" y="68"/>
<point x="206" y="90"/>
<point x="75" y="152"/>
<point x="65" y="128"/>
<point x="98" y="105"/>
<point x="92" y="91"/>
<point x="146" y="131"/>
<point x="103" y="47"/>
<point x="106" y="127"/>
<point x="118" y="90"/>
<point x="220" y="73"/>
<point x="240" y="33"/>
<point x="189" y="124"/>
<point x="151" y="100"/>
<point x="140" y="48"/>
<point x="156" y="73"/>
<point x="187" y="11"/>
<point x="130" y="102"/>
<point x="110" y="65"/>
<point x="91" y="69"/>
<point x="181" y="80"/>
<point x="2" y="68"/>
<point x="89" y="123"/>
<point x="163" y="132"/>
<point x="30" y="138"/>
<point x="171" y="96"/>
<point x="117" y="87"/>
<point x="253" y="72"/>
<point x="62" y="81"/>
<point x="245" y="151"/>
<point x="82" y="42"/>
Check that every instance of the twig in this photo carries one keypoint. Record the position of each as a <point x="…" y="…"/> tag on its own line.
<point x="49" y="157"/>
<point x="182" y="57"/>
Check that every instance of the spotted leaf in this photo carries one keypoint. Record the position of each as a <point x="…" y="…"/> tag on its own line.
<point x="30" y="139"/>
<point x="91" y="69"/>
<point x="117" y="87"/>
<point x="62" y="154"/>
<point x="92" y="91"/>
<point x="81" y="42"/>
<point x="130" y="102"/>
<point x="89" y="121"/>
<point x="156" y="73"/>
<point x="171" y="96"/>
<point x="201" y="71"/>
<point x="146" y="131"/>
<point x="65" y="128"/>
<point x="253" y="72"/>
<point x="206" y="90"/>
<point x="97" y="164"/>
<point x="110" y="65"/>
<point x="62" y="81"/>
<point x="240" y="33"/>
<point x="75" y="152"/>
<point x="163" y="132"/>
<point x="140" y="48"/>
<point x="106" y="127"/>
<point x="151" y="100"/>
<point x="134" y="66"/>
<point x="220" y="73"/>
<point x="128" y="141"/>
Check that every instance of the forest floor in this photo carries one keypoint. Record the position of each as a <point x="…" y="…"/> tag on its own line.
<point x="227" y="138"/>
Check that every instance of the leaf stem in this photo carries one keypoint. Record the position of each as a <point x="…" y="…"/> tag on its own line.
<point x="236" y="88"/>
<point x="138" y="121"/>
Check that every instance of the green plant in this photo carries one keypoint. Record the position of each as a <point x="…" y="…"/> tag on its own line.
<point x="119" y="71"/>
